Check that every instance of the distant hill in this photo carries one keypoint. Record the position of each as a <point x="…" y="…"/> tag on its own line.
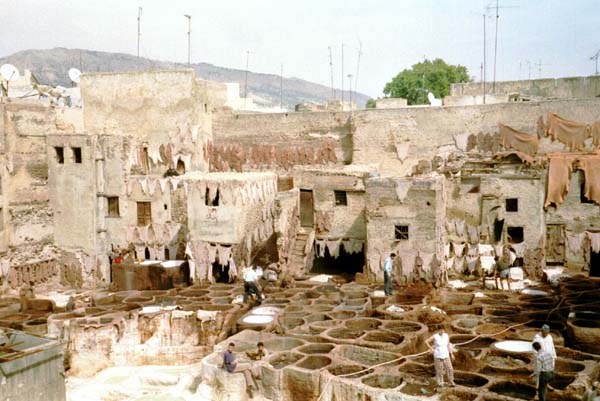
<point x="50" y="67"/>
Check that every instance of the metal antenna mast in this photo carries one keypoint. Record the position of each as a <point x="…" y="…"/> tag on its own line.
<point x="139" y="19"/>
<point x="350" y="88"/>
<point x="595" y="57"/>
<point x="484" y="58"/>
<point x="248" y="52"/>
<point x="497" y="8"/>
<point x="331" y="70"/>
<point x="189" y="17"/>
<point x="342" y="76"/>
<point x="281" y="88"/>
<point x="360" y="53"/>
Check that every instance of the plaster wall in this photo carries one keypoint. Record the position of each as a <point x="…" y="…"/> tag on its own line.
<point x="561" y="88"/>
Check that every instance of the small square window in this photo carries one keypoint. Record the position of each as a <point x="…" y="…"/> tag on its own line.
<point x="515" y="235"/>
<point x="340" y="198"/>
<point x="211" y="202"/>
<point x="401" y="232"/>
<point x="76" y="155"/>
<point x="512" y="204"/>
<point x="60" y="154"/>
<point x="113" y="206"/>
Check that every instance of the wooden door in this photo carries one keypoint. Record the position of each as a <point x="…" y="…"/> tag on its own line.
<point x="307" y="213"/>
<point x="555" y="243"/>
<point x="144" y="213"/>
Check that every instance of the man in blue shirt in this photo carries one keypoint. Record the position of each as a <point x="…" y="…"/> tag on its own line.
<point x="232" y="366"/>
<point x="387" y="274"/>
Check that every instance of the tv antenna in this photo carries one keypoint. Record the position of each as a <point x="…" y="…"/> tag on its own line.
<point x="248" y="53"/>
<point x="359" y="53"/>
<point x="539" y="66"/>
<point x="350" y="89"/>
<point x="331" y="70"/>
<point x="189" y="33"/>
<point x="343" y="76"/>
<point x="497" y="8"/>
<point x="74" y="75"/>
<point x="595" y="57"/>
<point x="139" y="20"/>
<point x="9" y="73"/>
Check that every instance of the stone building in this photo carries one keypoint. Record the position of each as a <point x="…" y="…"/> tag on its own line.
<point x="141" y="165"/>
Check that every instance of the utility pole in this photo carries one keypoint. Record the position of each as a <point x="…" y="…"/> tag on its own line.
<point x="139" y="19"/>
<point x="484" y="59"/>
<point x="539" y="65"/>
<point x="246" y="77"/>
<point x="497" y="8"/>
<point x="595" y="57"/>
<point x="331" y="70"/>
<point x="189" y="17"/>
<point x="495" y="47"/>
<point x="281" y="89"/>
<point x="350" y="88"/>
<point x="342" y="76"/>
<point x="360" y="53"/>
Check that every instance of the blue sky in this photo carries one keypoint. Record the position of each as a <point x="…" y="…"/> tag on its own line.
<point x="395" y="34"/>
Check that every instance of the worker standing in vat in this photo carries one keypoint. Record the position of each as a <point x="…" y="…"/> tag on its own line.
<point x="543" y="368"/>
<point x="545" y="340"/>
<point x="443" y="354"/>
<point x="502" y="270"/>
<point x="232" y="366"/>
<point x="250" y="286"/>
<point x="387" y="274"/>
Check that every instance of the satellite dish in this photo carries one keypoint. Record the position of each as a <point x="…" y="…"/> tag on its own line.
<point x="9" y="72"/>
<point x="431" y="98"/>
<point x="74" y="74"/>
<point x="433" y="101"/>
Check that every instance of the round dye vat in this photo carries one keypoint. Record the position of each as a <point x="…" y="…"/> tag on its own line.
<point x="514" y="346"/>
<point x="528" y="291"/>
<point x="266" y="310"/>
<point x="258" y="319"/>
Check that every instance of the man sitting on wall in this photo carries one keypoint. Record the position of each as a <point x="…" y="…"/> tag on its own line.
<point x="250" y="286"/>
<point x="232" y="366"/>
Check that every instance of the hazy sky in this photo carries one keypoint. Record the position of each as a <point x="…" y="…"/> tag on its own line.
<point x="395" y="34"/>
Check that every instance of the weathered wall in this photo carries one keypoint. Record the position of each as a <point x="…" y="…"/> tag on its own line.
<point x="391" y="103"/>
<point x="73" y="192"/>
<point x="560" y="88"/>
<point x="142" y="102"/>
<point x="397" y="139"/>
<point x="336" y="221"/>
<point x="419" y="208"/>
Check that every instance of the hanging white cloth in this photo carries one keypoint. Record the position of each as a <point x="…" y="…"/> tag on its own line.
<point x="194" y="132"/>
<point x="224" y="254"/>
<point x="130" y="233"/>
<point x="459" y="249"/>
<point x="575" y="242"/>
<point x="163" y="184"/>
<point x="320" y="247"/>
<point x="152" y="186"/>
<point x="144" y="185"/>
<point x="232" y="270"/>
<point x="212" y="254"/>
<point x="460" y="228"/>
<point x="174" y="183"/>
<point x="519" y="249"/>
<point x="130" y="185"/>
<point x="154" y="153"/>
<point x="447" y="250"/>
<point x="594" y="240"/>
<point x="334" y="248"/>
<point x="140" y="252"/>
<point x="402" y="188"/>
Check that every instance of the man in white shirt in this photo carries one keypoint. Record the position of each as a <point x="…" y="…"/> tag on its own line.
<point x="443" y="351"/>
<point x="250" y="286"/>
<point x="545" y="340"/>
<point x="387" y="274"/>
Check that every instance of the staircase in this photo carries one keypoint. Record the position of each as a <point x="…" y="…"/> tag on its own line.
<point x="301" y="252"/>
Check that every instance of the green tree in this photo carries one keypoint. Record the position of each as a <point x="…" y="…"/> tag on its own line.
<point x="428" y="76"/>
<point x="371" y="104"/>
